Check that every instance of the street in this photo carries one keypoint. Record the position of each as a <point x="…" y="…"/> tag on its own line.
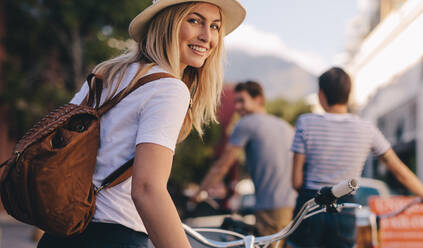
<point x="14" y="234"/>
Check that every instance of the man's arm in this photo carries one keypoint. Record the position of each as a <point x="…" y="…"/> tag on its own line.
<point x="219" y="169"/>
<point x="297" y="170"/>
<point x="401" y="172"/>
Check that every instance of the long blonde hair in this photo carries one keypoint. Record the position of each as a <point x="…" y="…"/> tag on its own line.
<point x="160" y="45"/>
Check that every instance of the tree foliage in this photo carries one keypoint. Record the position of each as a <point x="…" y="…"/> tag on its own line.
<point x="288" y="111"/>
<point x="50" y="47"/>
<point x="194" y="156"/>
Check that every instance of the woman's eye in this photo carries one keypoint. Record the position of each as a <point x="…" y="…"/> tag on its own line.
<point x="192" y="20"/>
<point x="215" y="26"/>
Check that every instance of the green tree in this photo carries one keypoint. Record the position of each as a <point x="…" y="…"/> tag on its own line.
<point x="51" y="45"/>
<point x="194" y="156"/>
<point x="288" y="111"/>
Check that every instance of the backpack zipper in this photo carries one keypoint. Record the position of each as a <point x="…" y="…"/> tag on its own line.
<point x="18" y="155"/>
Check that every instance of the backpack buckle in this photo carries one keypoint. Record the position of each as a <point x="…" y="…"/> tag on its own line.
<point x="98" y="189"/>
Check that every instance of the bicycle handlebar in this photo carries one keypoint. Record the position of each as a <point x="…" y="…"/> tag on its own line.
<point x="328" y="195"/>
<point x="345" y="187"/>
<point x="325" y="199"/>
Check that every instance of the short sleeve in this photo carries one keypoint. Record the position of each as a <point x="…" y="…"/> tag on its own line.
<point x="240" y="134"/>
<point x="161" y="117"/>
<point x="299" y="142"/>
<point x="379" y="143"/>
<point x="79" y="96"/>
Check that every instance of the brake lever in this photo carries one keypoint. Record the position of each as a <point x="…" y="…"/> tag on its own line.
<point x="350" y="205"/>
<point x="337" y="208"/>
<point x="333" y="208"/>
<point x="341" y="206"/>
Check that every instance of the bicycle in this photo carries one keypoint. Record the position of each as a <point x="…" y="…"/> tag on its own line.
<point x="325" y="201"/>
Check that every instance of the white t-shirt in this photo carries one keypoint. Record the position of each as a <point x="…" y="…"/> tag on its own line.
<point x="153" y="113"/>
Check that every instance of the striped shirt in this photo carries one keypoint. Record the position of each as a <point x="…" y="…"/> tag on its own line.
<point x="335" y="146"/>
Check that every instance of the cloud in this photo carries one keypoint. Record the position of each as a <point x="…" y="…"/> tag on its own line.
<point x="256" y="42"/>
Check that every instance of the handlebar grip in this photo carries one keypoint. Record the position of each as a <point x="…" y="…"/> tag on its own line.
<point x="328" y="195"/>
<point x="345" y="187"/>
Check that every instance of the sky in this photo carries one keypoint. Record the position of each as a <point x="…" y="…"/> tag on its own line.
<point x="310" y="32"/>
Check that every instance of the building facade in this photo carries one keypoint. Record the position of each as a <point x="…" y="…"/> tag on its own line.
<point x="387" y="72"/>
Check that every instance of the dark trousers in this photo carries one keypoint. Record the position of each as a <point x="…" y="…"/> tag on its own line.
<point x="98" y="235"/>
<point x="325" y="229"/>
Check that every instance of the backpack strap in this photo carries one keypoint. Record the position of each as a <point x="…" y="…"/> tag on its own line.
<point x="121" y="174"/>
<point x="117" y="98"/>
<point x="4" y="163"/>
<point x="95" y="88"/>
<point x="125" y="171"/>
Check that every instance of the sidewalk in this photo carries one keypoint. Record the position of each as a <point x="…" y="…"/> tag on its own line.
<point x="14" y="234"/>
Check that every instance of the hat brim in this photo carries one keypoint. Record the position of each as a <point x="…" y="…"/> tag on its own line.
<point x="232" y="11"/>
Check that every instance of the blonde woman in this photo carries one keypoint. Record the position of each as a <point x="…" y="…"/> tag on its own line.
<point x="184" y="38"/>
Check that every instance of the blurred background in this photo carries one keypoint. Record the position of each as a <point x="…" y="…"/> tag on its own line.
<point x="48" y="47"/>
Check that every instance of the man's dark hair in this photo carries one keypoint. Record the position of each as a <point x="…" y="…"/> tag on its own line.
<point x="336" y="85"/>
<point x="253" y="89"/>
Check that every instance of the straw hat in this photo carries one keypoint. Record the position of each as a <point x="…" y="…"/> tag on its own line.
<point x="232" y="11"/>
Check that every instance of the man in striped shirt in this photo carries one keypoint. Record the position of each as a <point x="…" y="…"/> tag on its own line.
<point x="330" y="147"/>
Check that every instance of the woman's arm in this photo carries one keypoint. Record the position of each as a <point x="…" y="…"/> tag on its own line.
<point x="402" y="173"/>
<point x="297" y="170"/>
<point x="149" y="180"/>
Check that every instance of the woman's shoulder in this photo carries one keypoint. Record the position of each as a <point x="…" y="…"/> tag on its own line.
<point x="168" y="84"/>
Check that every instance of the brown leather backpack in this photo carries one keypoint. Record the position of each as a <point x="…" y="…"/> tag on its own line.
<point x="47" y="182"/>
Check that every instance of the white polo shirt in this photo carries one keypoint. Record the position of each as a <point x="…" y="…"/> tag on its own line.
<point x="153" y="113"/>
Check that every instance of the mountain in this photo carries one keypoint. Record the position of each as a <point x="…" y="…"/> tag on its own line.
<point x="279" y="77"/>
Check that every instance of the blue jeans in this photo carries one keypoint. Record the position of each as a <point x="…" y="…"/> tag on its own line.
<point x="325" y="229"/>
<point x="98" y="235"/>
